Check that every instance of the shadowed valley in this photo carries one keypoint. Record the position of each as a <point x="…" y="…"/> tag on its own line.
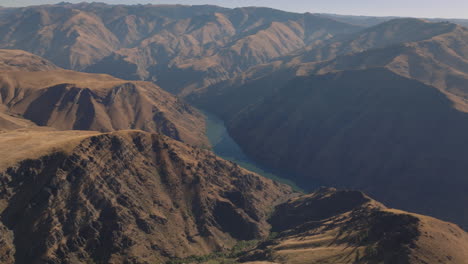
<point x="104" y="160"/>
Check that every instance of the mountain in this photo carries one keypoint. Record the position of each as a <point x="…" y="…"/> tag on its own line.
<point x="127" y="196"/>
<point x="18" y="60"/>
<point x="382" y="35"/>
<point x="433" y="53"/>
<point x="345" y="226"/>
<point x="98" y="169"/>
<point x="11" y="122"/>
<point x="132" y="196"/>
<point x="439" y="61"/>
<point x="181" y="48"/>
<point x="395" y="138"/>
<point x="68" y="37"/>
<point x="368" y="21"/>
<point x="331" y="226"/>
<point x="368" y="117"/>
<point x="66" y="99"/>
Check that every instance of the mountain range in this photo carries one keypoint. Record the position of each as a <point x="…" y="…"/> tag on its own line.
<point x="382" y="110"/>
<point x="103" y="158"/>
<point x="203" y="44"/>
<point x="64" y="99"/>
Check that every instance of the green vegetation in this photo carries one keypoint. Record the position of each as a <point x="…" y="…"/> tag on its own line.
<point x="228" y="257"/>
<point x="273" y="235"/>
<point x="371" y="251"/>
<point x="216" y="258"/>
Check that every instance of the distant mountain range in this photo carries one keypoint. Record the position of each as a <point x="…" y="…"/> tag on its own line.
<point x="382" y="107"/>
<point x="197" y="44"/>
<point x="369" y="21"/>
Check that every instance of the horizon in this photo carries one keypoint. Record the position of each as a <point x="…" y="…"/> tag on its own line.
<point x="362" y="8"/>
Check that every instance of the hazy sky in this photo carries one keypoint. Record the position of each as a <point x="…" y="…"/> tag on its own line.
<point x="415" y="8"/>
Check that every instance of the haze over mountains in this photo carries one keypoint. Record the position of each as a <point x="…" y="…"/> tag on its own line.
<point x="199" y="45"/>
<point x="354" y="111"/>
<point x="100" y="163"/>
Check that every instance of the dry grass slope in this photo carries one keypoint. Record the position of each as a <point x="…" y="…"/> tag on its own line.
<point x="331" y="226"/>
<point x="333" y="130"/>
<point x="182" y="48"/>
<point x="126" y="196"/>
<point x="66" y="99"/>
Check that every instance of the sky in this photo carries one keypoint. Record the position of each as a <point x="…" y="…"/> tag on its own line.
<point x="412" y="8"/>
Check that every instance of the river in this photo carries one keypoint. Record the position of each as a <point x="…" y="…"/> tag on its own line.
<point x="225" y="147"/>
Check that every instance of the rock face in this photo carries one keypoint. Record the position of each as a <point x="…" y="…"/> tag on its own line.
<point x="72" y="100"/>
<point x="124" y="197"/>
<point x="387" y="119"/>
<point x="96" y="169"/>
<point x="436" y="56"/>
<point x="433" y="53"/>
<point x="395" y="138"/>
<point x="136" y="197"/>
<point x="181" y="48"/>
<point x="386" y="34"/>
<point x="331" y="226"/>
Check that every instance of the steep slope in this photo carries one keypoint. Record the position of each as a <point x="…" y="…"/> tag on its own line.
<point x="18" y="60"/>
<point x="382" y="35"/>
<point x="280" y="34"/>
<point x="332" y="226"/>
<point x="10" y="122"/>
<point x="395" y="138"/>
<point x="69" y="37"/>
<point x="181" y="48"/>
<point x="433" y="53"/>
<point x="368" y="21"/>
<point x="439" y="61"/>
<point x="131" y="196"/>
<point x="72" y="100"/>
<point x="339" y="126"/>
<point x="123" y="197"/>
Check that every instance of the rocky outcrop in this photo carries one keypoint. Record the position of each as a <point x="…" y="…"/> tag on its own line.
<point x="432" y="53"/>
<point x="126" y="197"/>
<point x="331" y="226"/>
<point x="373" y="130"/>
<point x="403" y="83"/>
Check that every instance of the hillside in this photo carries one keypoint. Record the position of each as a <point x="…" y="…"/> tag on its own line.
<point x="382" y="35"/>
<point x="10" y="122"/>
<point x="18" y="60"/>
<point x="332" y="123"/>
<point x="181" y="48"/>
<point x="85" y="196"/>
<point x="128" y="196"/>
<point x="440" y="61"/>
<point x="373" y="20"/>
<point x="103" y="159"/>
<point x="332" y="226"/>
<point x="66" y="100"/>
<point x="345" y="226"/>
<point x="392" y="137"/>
<point x="433" y="53"/>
